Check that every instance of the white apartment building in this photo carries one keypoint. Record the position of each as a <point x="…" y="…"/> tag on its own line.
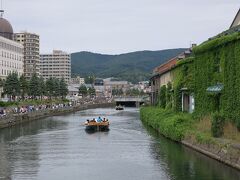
<point x="77" y="80"/>
<point x="57" y="64"/>
<point x="30" y="41"/>
<point x="11" y="57"/>
<point x="11" y="52"/>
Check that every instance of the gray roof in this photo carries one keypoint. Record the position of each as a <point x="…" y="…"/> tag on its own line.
<point x="116" y="83"/>
<point x="72" y="89"/>
<point x="237" y="15"/>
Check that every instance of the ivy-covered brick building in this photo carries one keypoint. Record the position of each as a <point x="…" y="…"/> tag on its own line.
<point x="210" y="77"/>
<point x="162" y="75"/>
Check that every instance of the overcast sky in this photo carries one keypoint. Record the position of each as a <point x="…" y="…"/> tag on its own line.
<point x="120" y="26"/>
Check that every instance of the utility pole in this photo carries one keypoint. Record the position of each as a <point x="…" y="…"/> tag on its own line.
<point x="1" y="10"/>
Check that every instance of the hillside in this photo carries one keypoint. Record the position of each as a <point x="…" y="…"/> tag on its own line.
<point x="134" y="67"/>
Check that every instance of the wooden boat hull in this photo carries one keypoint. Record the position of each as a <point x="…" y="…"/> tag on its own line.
<point x="94" y="126"/>
<point x="97" y="128"/>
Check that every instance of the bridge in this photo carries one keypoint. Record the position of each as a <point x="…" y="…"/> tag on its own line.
<point x="131" y="101"/>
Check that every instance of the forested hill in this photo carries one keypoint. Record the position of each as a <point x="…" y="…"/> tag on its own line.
<point x="134" y="67"/>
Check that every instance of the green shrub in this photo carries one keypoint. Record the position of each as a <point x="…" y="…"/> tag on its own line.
<point x="171" y="125"/>
<point x="204" y="138"/>
<point x="7" y="104"/>
<point x="217" y="125"/>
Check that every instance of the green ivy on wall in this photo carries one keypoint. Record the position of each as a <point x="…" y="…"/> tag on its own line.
<point x="182" y="78"/>
<point x="169" y="96"/>
<point x="218" y="61"/>
<point x="162" y="97"/>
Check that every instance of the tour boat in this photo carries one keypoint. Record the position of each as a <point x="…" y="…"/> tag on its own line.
<point x="97" y="126"/>
<point x="119" y="108"/>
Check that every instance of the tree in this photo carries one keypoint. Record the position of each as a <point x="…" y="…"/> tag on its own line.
<point x="34" y="86"/>
<point x="12" y="86"/>
<point x="89" y="79"/>
<point x="42" y="87"/>
<point x="49" y="87"/>
<point x="92" y="92"/>
<point x="134" y="92"/>
<point x="83" y="90"/>
<point x="56" y="87"/>
<point x="2" y="83"/>
<point x="23" y="86"/>
<point x="63" y="89"/>
<point x="117" y="92"/>
<point x="142" y="93"/>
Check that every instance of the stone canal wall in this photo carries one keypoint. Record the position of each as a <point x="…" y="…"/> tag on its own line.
<point x="14" y="119"/>
<point x="178" y="127"/>
<point x="227" y="153"/>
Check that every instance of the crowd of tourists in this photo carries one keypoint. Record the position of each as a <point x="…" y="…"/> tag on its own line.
<point x="32" y="108"/>
<point x="2" y="112"/>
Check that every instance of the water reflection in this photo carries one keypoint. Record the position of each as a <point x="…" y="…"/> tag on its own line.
<point x="96" y="132"/>
<point x="18" y="146"/>
<point x="184" y="163"/>
<point x="30" y="128"/>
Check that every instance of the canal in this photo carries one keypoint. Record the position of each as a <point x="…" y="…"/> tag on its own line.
<point x="58" y="148"/>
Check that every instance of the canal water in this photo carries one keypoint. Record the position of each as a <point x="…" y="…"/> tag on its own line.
<point x="58" y="148"/>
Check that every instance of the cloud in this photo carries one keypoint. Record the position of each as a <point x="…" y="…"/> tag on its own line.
<point x="113" y="26"/>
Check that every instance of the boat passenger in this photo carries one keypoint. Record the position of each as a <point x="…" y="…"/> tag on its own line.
<point x="99" y="119"/>
<point x="93" y="120"/>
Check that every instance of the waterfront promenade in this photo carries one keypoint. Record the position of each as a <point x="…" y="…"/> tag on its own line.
<point x="17" y="115"/>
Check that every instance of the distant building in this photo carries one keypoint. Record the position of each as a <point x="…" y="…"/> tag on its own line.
<point x="11" y="57"/>
<point x="99" y="87"/>
<point x="99" y="90"/>
<point x="30" y="41"/>
<point x="73" y="89"/>
<point x="98" y="82"/>
<point x="143" y="86"/>
<point x="11" y="52"/>
<point x="109" y="86"/>
<point x="236" y="20"/>
<point x="57" y="64"/>
<point x="77" y="80"/>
